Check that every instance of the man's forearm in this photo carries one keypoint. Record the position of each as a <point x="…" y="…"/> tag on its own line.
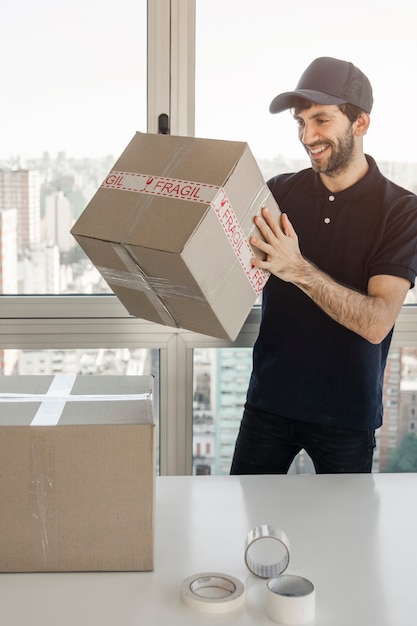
<point x="359" y="312"/>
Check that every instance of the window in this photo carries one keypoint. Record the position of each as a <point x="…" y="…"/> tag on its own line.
<point x="72" y="106"/>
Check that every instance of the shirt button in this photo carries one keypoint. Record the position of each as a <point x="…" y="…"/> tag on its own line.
<point x="331" y="198"/>
<point x="327" y="220"/>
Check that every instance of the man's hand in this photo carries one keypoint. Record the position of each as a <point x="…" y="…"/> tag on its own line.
<point x="282" y="252"/>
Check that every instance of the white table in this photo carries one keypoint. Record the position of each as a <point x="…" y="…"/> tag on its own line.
<point x="353" y="536"/>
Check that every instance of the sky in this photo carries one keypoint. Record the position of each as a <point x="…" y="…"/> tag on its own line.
<point x="74" y="72"/>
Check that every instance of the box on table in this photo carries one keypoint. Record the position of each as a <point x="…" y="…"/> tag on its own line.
<point x="76" y="473"/>
<point x="169" y="231"/>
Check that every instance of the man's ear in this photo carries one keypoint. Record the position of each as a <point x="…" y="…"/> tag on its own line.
<point x="361" y="125"/>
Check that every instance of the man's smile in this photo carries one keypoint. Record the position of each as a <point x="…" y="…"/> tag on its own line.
<point x="317" y="150"/>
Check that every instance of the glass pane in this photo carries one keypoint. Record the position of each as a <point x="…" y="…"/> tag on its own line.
<point x="397" y="438"/>
<point x="87" y="362"/>
<point x="257" y="53"/>
<point x="221" y="378"/>
<point x="74" y="93"/>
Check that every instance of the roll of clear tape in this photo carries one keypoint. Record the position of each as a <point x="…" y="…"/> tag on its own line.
<point x="212" y="592"/>
<point x="267" y="551"/>
<point x="290" y="600"/>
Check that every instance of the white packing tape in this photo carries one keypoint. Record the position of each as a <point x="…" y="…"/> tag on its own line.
<point x="51" y="408"/>
<point x="212" y="592"/>
<point x="290" y="600"/>
<point x="85" y="397"/>
<point x="267" y="551"/>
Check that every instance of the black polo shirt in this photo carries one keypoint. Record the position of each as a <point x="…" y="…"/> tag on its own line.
<point x="305" y="365"/>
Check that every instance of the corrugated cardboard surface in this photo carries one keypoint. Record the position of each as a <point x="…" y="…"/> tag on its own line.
<point x="169" y="259"/>
<point x="78" y="496"/>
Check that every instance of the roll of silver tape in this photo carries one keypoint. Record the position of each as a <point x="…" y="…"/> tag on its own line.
<point x="290" y="600"/>
<point x="267" y="551"/>
<point x="212" y="592"/>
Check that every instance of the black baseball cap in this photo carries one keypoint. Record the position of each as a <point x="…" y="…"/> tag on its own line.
<point x="328" y="81"/>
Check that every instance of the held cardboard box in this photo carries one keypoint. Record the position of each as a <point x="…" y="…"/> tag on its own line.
<point x="76" y="473"/>
<point x="169" y="231"/>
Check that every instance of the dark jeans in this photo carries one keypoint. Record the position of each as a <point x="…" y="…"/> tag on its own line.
<point x="267" y="444"/>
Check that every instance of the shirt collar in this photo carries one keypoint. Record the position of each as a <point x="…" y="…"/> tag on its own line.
<point x="356" y="191"/>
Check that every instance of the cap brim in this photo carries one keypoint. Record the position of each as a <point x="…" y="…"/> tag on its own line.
<point x="288" y="99"/>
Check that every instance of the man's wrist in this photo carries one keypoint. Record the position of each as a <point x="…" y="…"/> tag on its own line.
<point x="306" y="275"/>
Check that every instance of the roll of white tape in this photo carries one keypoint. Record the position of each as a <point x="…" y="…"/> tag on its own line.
<point x="290" y="600"/>
<point x="212" y="592"/>
<point x="267" y="551"/>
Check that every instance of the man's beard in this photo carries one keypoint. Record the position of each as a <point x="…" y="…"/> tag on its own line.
<point x="340" y="158"/>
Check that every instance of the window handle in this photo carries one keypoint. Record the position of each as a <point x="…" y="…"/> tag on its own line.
<point x="163" y="124"/>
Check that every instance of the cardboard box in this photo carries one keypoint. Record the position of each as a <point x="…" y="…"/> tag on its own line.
<point x="169" y="227"/>
<point x="77" y="473"/>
